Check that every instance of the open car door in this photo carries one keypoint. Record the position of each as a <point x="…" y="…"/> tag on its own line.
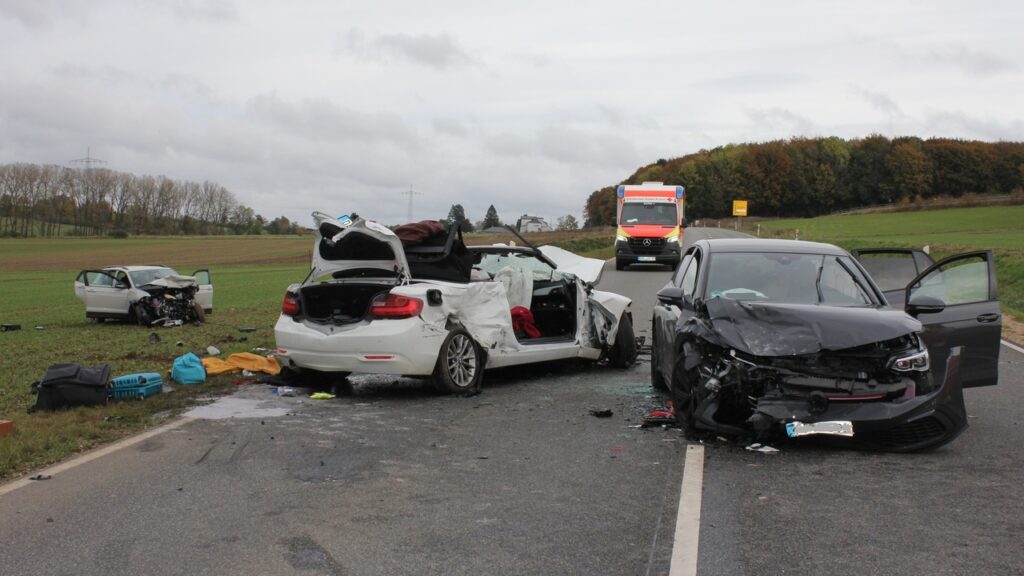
<point x="893" y="268"/>
<point x="956" y="301"/>
<point x="102" y="294"/>
<point x="205" y="293"/>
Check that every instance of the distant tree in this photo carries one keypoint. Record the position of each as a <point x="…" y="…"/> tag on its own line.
<point x="491" y="218"/>
<point x="568" y="223"/>
<point x="457" y="216"/>
<point x="280" y="225"/>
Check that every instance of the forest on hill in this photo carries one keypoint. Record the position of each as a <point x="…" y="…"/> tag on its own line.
<point x="806" y="177"/>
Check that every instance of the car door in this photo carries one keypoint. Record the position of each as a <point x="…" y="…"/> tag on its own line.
<point x="101" y="293"/>
<point x="893" y="268"/>
<point x="205" y="293"/>
<point x="966" y="285"/>
<point x="666" y="313"/>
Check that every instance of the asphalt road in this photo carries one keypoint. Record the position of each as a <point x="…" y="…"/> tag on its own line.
<point x="518" y="480"/>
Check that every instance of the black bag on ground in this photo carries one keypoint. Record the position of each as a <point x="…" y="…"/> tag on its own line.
<point x="70" y="385"/>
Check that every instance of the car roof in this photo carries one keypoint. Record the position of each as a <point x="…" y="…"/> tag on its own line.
<point x="770" y="245"/>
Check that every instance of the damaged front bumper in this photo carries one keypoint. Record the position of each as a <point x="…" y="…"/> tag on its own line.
<point x="891" y="417"/>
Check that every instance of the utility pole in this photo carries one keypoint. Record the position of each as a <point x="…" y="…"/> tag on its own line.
<point x="410" y="194"/>
<point x="88" y="161"/>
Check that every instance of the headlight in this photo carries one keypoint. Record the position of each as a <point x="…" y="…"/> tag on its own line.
<point x="620" y="238"/>
<point x="916" y="361"/>
<point x="673" y="239"/>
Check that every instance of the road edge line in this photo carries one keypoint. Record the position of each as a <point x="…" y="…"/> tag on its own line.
<point x="95" y="454"/>
<point x="1012" y="346"/>
<point x="687" y="534"/>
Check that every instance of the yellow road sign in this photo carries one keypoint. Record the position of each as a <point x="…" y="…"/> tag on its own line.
<point x="739" y="207"/>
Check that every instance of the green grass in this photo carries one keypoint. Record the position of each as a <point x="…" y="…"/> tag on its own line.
<point x="245" y="295"/>
<point x="947" y="232"/>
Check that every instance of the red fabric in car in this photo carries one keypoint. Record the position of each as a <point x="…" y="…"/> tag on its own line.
<point x="522" y="322"/>
<point x="415" y="233"/>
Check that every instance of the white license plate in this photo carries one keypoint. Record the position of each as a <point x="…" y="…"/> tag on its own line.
<point x="646" y="259"/>
<point x="832" y="428"/>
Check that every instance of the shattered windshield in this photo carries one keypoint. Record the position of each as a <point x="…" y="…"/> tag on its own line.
<point x="651" y="213"/>
<point x="789" y="278"/>
<point x="492" y="263"/>
<point x="143" y="277"/>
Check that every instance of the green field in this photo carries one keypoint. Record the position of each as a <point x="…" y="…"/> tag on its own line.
<point x="947" y="232"/>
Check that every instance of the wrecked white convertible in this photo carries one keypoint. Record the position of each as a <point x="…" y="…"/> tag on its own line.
<point x="146" y="295"/>
<point x="426" y="305"/>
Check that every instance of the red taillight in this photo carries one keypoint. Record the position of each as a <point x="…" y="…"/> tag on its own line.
<point x="395" y="306"/>
<point x="290" y="305"/>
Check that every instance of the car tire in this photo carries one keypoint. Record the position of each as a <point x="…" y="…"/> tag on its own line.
<point x="657" y="382"/>
<point x="460" y="364"/>
<point x="619" y="265"/>
<point x="200" y="314"/>
<point x="623" y="351"/>
<point x="682" y="391"/>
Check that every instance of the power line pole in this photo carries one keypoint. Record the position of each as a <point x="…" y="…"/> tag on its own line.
<point x="88" y="161"/>
<point x="410" y="194"/>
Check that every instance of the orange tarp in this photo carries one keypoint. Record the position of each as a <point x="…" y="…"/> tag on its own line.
<point x="241" y="361"/>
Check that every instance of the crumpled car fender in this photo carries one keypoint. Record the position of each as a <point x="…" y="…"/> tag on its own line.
<point x="610" y="306"/>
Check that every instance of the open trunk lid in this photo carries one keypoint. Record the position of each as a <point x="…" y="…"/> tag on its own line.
<point x="356" y="247"/>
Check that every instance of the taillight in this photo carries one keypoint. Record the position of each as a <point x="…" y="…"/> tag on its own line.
<point x="395" y="306"/>
<point x="290" y="305"/>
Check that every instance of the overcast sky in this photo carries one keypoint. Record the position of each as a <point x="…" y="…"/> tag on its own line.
<point x="340" y="105"/>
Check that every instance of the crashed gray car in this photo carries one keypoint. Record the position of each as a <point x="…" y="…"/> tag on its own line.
<point x="784" y="338"/>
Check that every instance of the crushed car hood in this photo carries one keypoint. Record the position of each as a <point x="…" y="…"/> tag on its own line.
<point x="174" y="281"/>
<point x="777" y="329"/>
<point x="344" y="244"/>
<point x="586" y="269"/>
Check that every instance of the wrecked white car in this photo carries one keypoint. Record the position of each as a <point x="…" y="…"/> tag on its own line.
<point x="146" y="295"/>
<point x="430" y="306"/>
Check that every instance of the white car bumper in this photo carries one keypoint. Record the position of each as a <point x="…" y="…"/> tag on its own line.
<point x="408" y="346"/>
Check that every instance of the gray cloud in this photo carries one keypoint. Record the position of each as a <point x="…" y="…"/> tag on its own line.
<point x="778" y="119"/>
<point x="881" y="102"/>
<point x="957" y="124"/>
<point x="976" y="63"/>
<point x="450" y="127"/>
<point x="438" y="51"/>
<point x="212" y="10"/>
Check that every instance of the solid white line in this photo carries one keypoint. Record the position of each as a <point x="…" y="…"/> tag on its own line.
<point x="90" y="456"/>
<point x="1012" y="346"/>
<point x="684" y="546"/>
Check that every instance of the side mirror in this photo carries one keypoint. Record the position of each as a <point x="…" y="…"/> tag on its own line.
<point x="672" y="296"/>
<point x="924" y="305"/>
<point x="685" y="223"/>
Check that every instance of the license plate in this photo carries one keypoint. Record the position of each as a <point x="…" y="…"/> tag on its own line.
<point x="646" y="259"/>
<point x="832" y="428"/>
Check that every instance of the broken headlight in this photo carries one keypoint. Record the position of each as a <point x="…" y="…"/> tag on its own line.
<point x="911" y="360"/>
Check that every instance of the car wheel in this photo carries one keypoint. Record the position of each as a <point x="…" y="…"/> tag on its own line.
<point x="623" y="352"/>
<point x="657" y="382"/>
<point x="683" y="398"/>
<point x="199" y="312"/>
<point x="619" y="265"/>
<point x="460" y="365"/>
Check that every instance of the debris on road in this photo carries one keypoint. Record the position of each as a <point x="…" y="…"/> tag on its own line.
<point x="41" y="477"/>
<point x="665" y="416"/>
<point x="242" y="361"/>
<point x="9" y="327"/>
<point x="285" y="391"/>
<point x="213" y="351"/>
<point x="602" y="413"/>
<point x="246" y="329"/>
<point x="762" y="448"/>
<point x="322" y="396"/>
<point x="188" y="369"/>
<point x="154" y="338"/>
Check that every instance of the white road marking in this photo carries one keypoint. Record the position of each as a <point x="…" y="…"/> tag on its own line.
<point x="1013" y="346"/>
<point x="90" y="456"/>
<point x="684" y="546"/>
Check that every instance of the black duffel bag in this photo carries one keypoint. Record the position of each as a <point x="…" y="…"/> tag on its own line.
<point x="70" y="385"/>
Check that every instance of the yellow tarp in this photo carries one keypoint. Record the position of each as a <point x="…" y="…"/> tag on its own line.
<point x="241" y="361"/>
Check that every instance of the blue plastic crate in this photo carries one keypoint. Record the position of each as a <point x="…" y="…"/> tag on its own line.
<point x="139" y="392"/>
<point x="136" y="380"/>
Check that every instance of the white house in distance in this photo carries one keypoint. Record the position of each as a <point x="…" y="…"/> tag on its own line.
<point x="527" y="223"/>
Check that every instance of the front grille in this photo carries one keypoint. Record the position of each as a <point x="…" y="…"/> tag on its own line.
<point x="910" y="433"/>
<point x="646" y="245"/>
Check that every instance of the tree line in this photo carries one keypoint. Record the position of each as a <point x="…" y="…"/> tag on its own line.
<point x="806" y="177"/>
<point x="457" y="215"/>
<point x="49" y="200"/>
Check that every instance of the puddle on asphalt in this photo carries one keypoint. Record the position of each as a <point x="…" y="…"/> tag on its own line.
<point x="232" y="407"/>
